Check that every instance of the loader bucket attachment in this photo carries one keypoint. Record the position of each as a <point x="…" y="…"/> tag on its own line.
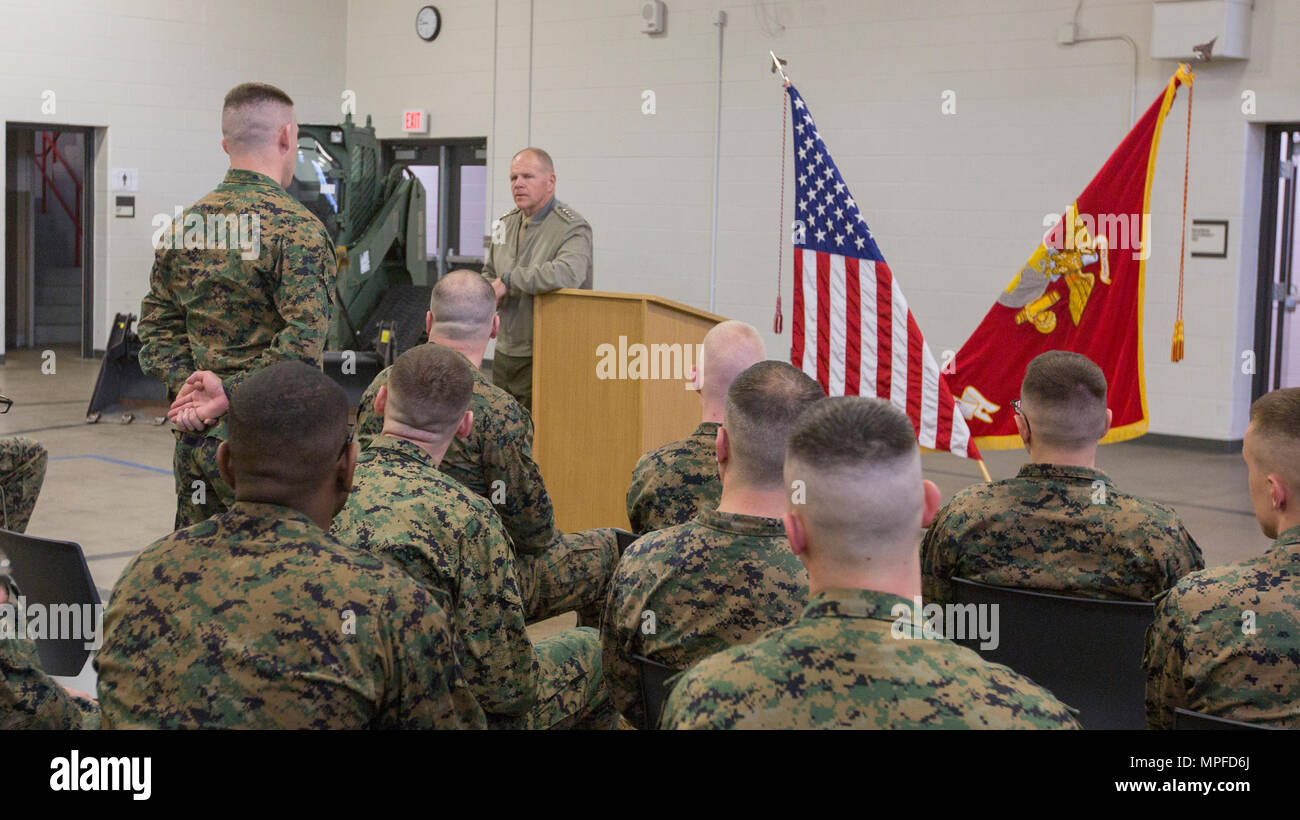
<point x="122" y="387"/>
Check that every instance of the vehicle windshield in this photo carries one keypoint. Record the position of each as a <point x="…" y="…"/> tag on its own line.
<point x="315" y="183"/>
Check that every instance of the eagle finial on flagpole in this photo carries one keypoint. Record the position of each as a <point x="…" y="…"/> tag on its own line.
<point x="777" y="64"/>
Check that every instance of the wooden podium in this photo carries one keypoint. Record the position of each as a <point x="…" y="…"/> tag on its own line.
<point x="610" y="378"/>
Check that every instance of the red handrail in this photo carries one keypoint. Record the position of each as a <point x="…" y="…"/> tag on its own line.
<point x="50" y="146"/>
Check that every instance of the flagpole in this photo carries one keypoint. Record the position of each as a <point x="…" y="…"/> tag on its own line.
<point x="988" y="479"/>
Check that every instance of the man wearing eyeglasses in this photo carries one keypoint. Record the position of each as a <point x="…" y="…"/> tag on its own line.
<point x="1060" y="525"/>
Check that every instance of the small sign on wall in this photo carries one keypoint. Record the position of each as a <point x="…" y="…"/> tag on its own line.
<point x="415" y="122"/>
<point x="1209" y="237"/>
<point x="125" y="179"/>
<point x="124" y="206"/>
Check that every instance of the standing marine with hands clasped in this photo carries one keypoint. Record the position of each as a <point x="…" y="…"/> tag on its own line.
<point x="218" y="310"/>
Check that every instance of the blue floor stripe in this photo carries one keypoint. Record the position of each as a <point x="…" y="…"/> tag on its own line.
<point x="117" y="461"/>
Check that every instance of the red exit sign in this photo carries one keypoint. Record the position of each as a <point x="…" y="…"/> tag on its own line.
<point x="415" y="122"/>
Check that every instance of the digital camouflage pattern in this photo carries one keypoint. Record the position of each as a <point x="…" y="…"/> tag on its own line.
<point x="1201" y="652"/>
<point x="22" y="471"/>
<point x="571" y="691"/>
<point x="1058" y="529"/>
<point x="557" y="572"/>
<point x="554" y="252"/>
<point x="841" y="667"/>
<point x="495" y="460"/>
<point x="201" y="492"/>
<point x="30" y="699"/>
<point x="211" y="309"/>
<point x="672" y="483"/>
<point x="402" y="508"/>
<point x="684" y="593"/>
<point x="572" y="576"/>
<point x="258" y="619"/>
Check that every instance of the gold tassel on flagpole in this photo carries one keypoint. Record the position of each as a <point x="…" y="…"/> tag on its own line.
<point x="1176" y="354"/>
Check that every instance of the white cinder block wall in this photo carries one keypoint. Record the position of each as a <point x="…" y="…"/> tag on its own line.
<point x="956" y="202"/>
<point x="152" y="73"/>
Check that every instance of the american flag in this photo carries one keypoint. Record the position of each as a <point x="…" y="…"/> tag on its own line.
<point x="851" y="328"/>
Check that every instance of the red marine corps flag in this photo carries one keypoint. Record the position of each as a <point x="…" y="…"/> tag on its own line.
<point x="851" y="328"/>
<point x="1081" y="291"/>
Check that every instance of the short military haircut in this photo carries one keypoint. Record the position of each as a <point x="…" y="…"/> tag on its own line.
<point x="286" y="425"/>
<point x="762" y="405"/>
<point x="543" y="158"/>
<point x="1064" y="399"/>
<point x="1275" y="434"/>
<point x="729" y="348"/>
<point x="429" y="388"/>
<point x="253" y="115"/>
<point x="462" y="304"/>
<point x="860" y="467"/>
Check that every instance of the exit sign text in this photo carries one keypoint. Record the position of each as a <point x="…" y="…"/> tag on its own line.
<point x="415" y="122"/>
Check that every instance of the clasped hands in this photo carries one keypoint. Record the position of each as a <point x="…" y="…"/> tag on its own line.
<point x="201" y="401"/>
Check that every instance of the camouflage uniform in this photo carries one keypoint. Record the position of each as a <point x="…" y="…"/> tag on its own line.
<point x="495" y="460"/>
<point x="1058" y="529"/>
<point x="22" y="471"/>
<point x="719" y="580"/>
<point x="557" y="572"/>
<point x="449" y="540"/>
<point x="841" y="667"/>
<point x="672" y="483"/>
<point x="551" y="251"/>
<point x="1201" y="654"/>
<point x="211" y="309"/>
<point x="30" y="699"/>
<point x="258" y="619"/>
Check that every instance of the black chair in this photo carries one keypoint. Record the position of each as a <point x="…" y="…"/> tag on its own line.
<point x="1086" y="651"/>
<point x="654" y="688"/>
<point x="1186" y="719"/>
<point x="54" y="573"/>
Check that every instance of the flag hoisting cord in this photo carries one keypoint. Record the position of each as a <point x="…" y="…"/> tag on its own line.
<point x="780" y="233"/>
<point x="1176" y="352"/>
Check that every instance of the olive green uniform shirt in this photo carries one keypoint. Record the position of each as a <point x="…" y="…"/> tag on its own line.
<point x="554" y="252"/>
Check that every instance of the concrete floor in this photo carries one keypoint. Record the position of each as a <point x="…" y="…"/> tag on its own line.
<point x="109" y="488"/>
